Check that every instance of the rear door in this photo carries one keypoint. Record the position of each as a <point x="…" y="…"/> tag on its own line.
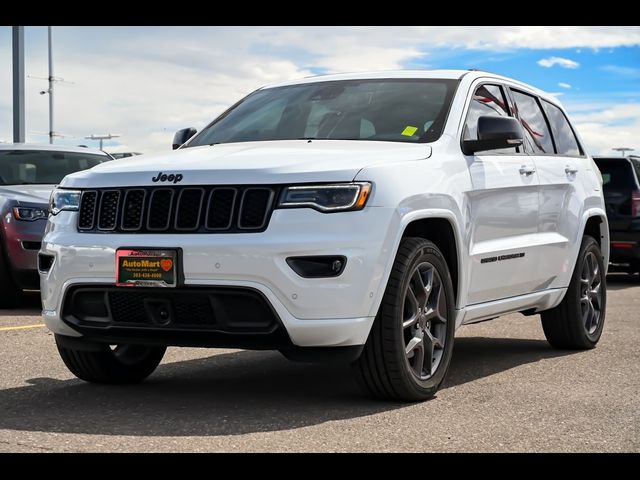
<point x="503" y="206"/>
<point x="561" y="165"/>
<point x="620" y="187"/>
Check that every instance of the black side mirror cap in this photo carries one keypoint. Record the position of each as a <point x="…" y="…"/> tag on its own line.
<point x="182" y="136"/>
<point x="495" y="133"/>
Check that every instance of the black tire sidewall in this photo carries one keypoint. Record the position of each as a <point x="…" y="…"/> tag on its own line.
<point x="427" y="252"/>
<point x="589" y="244"/>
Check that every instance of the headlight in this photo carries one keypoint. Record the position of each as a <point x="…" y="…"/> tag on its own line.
<point x="327" y="198"/>
<point x="64" y="200"/>
<point x="29" y="214"/>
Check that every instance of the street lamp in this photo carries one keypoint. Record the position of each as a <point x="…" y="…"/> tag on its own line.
<point x="107" y="136"/>
<point x="623" y="149"/>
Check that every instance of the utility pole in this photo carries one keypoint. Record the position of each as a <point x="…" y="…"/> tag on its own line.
<point x="623" y="149"/>
<point x="107" y="136"/>
<point x="18" y="84"/>
<point x="51" y="81"/>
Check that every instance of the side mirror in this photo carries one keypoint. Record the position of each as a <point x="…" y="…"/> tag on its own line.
<point x="495" y="133"/>
<point x="182" y="136"/>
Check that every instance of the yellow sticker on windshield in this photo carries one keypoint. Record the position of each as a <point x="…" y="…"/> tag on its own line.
<point x="409" y="131"/>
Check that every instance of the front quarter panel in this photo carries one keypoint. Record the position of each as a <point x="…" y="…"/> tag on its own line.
<point x="429" y="188"/>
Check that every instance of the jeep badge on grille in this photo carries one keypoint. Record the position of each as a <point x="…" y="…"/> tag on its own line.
<point x="163" y="177"/>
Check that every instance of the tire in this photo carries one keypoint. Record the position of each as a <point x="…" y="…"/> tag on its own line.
<point x="10" y="294"/>
<point x="578" y="321"/>
<point x="384" y="367"/>
<point x="122" y="365"/>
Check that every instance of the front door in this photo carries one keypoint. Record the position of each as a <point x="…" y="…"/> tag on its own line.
<point x="503" y="210"/>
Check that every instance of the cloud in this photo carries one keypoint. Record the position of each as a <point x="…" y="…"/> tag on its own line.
<point x="561" y="62"/>
<point x="147" y="82"/>
<point x="622" y="71"/>
<point x="606" y="128"/>
<point x="564" y="85"/>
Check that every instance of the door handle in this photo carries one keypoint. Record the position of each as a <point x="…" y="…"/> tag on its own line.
<point x="569" y="170"/>
<point x="527" y="170"/>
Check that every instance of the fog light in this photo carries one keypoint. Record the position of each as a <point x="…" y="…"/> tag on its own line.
<point x="322" y="266"/>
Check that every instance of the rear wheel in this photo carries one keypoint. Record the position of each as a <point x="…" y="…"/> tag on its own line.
<point x="409" y="349"/>
<point x="578" y="321"/>
<point x="115" y="364"/>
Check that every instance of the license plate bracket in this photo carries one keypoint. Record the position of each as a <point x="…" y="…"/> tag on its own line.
<point x="146" y="267"/>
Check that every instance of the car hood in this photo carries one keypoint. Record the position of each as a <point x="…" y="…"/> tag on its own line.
<point x="27" y="193"/>
<point x="273" y="162"/>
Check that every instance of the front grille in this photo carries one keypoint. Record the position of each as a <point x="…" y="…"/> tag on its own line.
<point x="217" y="209"/>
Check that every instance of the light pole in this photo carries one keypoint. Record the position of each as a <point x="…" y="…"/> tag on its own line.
<point x="52" y="81"/>
<point x="50" y="86"/>
<point x="18" y="84"/>
<point x="623" y="149"/>
<point x="107" y="136"/>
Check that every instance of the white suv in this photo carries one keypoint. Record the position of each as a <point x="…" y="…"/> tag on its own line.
<point x="357" y="217"/>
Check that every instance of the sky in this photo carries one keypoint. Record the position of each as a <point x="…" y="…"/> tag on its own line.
<point x="147" y="82"/>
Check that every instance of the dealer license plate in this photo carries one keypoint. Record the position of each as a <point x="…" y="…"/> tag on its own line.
<point x="146" y="268"/>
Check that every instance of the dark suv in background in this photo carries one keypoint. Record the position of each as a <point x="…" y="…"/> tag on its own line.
<point x="28" y="174"/>
<point x="621" y="183"/>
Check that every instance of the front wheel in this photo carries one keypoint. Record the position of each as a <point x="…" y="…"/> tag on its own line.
<point x="578" y="321"/>
<point x="116" y="364"/>
<point x="409" y="348"/>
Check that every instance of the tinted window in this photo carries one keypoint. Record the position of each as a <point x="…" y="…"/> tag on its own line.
<point x="536" y="133"/>
<point x="616" y="174"/>
<point x="412" y="110"/>
<point x="22" y="167"/>
<point x="487" y="100"/>
<point x="566" y="143"/>
<point x="636" y="166"/>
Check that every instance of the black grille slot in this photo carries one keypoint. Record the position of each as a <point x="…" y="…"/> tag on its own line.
<point x="108" y="211"/>
<point x="87" y="217"/>
<point x="132" y="209"/>
<point x="198" y="209"/>
<point x="188" y="209"/>
<point x="159" y="215"/>
<point x="220" y="208"/>
<point x="256" y="203"/>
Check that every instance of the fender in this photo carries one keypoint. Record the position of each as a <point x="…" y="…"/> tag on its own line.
<point x="394" y="244"/>
<point x="604" y="233"/>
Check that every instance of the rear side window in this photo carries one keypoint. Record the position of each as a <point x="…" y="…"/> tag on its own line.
<point x="537" y="139"/>
<point x="616" y="174"/>
<point x="566" y="142"/>
<point x="488" y="100"/>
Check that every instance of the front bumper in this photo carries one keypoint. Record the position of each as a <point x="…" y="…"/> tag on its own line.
<point x="22" y="242"/>
<point x="319" y="312"/>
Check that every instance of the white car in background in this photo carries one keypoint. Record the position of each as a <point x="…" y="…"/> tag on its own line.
<point x="356" y="217"/>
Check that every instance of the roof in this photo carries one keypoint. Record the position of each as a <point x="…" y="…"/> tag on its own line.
<point x="446" y="74"/>
<point x="442" y="74"/>
<point x="46" y="147"/>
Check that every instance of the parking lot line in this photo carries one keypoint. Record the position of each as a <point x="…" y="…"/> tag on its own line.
<point x="21" y="327"/>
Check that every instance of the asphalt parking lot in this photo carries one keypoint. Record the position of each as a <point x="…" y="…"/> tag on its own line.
<point x="507" y="391"/>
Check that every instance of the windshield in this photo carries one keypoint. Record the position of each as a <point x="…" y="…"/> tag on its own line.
<point x="399" y="110"/>
<point x="23" y="167"/>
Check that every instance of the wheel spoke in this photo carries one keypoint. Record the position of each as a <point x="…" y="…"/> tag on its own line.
<point x="419" y="288"/>
<point x="414" y="343"/>
<point x="414" y="309"/>
<point x="428" y="352"/>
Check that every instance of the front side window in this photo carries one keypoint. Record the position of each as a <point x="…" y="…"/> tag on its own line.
<point x="24" y="167"/>
<point x="398" y="110"/>
<point x="566" y="143"/>
<point x="487" y="100"/>
<point x="537" y="139"/>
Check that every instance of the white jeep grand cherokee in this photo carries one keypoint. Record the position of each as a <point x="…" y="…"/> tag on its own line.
<point x="357" y="217"/>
